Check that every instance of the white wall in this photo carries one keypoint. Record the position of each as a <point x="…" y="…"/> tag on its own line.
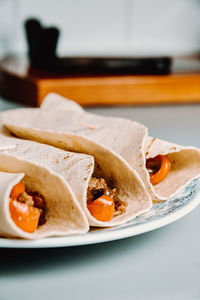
<point x="109" y="26"/>
<point x="5" y="26"/>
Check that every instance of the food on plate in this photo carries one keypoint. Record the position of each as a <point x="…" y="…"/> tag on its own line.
<point x="109" y="169"/>
<point x="35" y="200"/>
<point x="102" y="208"/>
<point x="158" y="168"/>
<point x="27" y="208"/>
<point x="103" y="202"/>
<point x="69" y="127"/>
<point x="40" y="211"/>
<point x="88" y="179"/>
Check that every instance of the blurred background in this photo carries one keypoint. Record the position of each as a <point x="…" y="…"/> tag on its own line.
<point x="110" y="28"/>
<point x="107" y="26"/>
<point x="162" y="264"/>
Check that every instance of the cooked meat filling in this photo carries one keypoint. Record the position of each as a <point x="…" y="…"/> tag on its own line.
<point x="39" y="202"/>
<point x="120" y="207"/>
<point x="34" y="199"/>
<point x="25" y="198"/>
<point x="98" y="187"/>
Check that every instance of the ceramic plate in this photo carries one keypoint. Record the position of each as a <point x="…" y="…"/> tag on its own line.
<point x="160" y="215"/>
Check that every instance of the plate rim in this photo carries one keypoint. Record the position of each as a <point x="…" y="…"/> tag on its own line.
<point x="103" y="235"/>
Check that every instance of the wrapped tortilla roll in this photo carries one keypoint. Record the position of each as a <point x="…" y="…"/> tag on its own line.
<point x="25" y="116"/>
<point x="63" y="215"/>
<point x="74" y="129"/>
<point x="109" y="177"/>
<point x="185" y="166"/>
<point x="53" y="101"/>
<point x="184" y="161"/>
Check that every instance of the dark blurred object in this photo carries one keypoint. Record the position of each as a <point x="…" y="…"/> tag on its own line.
<point x="95" y="80"/>
<point x="111" y="66"/>
<point x="42" y="43"/>
<point x="21" y="83"/>
<point x="42" y="54"/>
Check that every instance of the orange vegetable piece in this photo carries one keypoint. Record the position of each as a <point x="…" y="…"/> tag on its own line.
<point x="25" y="217"/>
<point x="164" y="169"/>
<point x="18" y="189"/>
<point x="102" y="208"/>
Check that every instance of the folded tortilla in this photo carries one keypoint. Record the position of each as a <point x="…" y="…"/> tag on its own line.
<point x="70" y="127"/>
<point x="64" y="215"/>
<point x="53" y="100"/>
<point x="185" y="161"/>
<point x="77" y="169"/>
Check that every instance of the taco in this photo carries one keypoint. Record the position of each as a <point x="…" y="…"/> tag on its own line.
<point x="35" y="202"/>
<point x="164" y="167"/>
<point x="108" y="190"/>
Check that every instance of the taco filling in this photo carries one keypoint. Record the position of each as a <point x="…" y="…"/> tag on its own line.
<point x="158" y="168"/>
<point x="27" y="208"/>
<point x="103" y="201"/>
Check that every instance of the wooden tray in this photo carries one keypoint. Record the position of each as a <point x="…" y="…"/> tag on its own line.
<point x="19" y="83"/>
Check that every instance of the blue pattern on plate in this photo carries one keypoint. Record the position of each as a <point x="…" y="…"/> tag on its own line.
<point x="165" y="208"/>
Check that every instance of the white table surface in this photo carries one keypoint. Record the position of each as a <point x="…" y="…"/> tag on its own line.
<point x="163" y="264"/>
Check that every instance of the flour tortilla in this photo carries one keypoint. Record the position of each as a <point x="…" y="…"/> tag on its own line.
<point x="71" y="125"/>
<point x="52" y="101"/>
<point x="109" y="166"/>
<point x="185" y="161"/>
<point x="137" y="146"/>
<point x="185" y="166"/>
<point x="77" y="169"/>
<point x="26" y="116"/>
<point x="49" y="171"/>
<point x="23" y="116"/>
<point x="129" y="186"/>
<point x="64" y="216"/>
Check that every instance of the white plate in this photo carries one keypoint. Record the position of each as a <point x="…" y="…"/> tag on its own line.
<point x="160" y="215"/>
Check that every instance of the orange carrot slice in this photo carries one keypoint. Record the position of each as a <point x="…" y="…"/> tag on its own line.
<point x="18" y="189"/>
<point x="102" y="208"/>
<point x="164" y="169"/>
<point x="25" y="217"/>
